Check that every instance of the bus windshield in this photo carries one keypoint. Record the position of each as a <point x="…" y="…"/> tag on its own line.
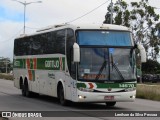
<point x="98" y="63"/>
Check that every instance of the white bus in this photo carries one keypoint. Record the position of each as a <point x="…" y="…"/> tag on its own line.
<point x="79" y="63"/>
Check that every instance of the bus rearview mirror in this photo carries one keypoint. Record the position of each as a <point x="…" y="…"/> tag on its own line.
<point x="76" y="53"/>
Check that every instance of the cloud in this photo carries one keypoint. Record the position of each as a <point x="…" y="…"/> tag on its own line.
<point x="39" y="15"/>
<point x="8" y="14"/>
<point x="8" y="31"/>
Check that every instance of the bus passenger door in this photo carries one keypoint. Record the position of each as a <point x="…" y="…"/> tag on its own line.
<point x="71" y="80"/>
<point x="70" y="67"/>
<point x="68" y="86"/>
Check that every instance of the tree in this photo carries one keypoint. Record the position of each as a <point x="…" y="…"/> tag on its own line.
<point x="5" y="65"/>
<point x="150" y="67"/>
<point x="143" y="21"/>
<point x="145" y="26"/>
<point x="121" y="14"/>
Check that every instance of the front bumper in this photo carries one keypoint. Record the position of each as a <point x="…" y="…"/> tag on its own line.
<point x="100" y="97"/>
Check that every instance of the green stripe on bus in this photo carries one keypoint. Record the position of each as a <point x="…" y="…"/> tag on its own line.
<point x="19" y="63"/>
<point x="115" y="85"/>
<point x="31" y="63"/>
<point x="50" y="63"/>
<point x="83" y="85"/>
<point x="33" y="75"/>
<point x="109" y="85"/>
<point x="42" y="63"/>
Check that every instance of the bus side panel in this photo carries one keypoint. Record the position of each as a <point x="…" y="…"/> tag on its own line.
<point x="34" y="84"/>
<point x="47" y="82"/>
<point x="16" y="78"/>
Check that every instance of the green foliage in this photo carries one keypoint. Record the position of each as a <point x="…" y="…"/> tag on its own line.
<point x="134" y="4"/>
<point x="144" y="29"/>
<point x="107" y="18"/>
<point x="142" y="19"/>
<point x="151" y="67"/>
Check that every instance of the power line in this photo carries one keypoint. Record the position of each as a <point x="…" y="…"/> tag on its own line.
<point x="12" y="37"/>
<point x="31" y="27"/>
<point x="88" y="12"/>
<point x="66" y="22"/>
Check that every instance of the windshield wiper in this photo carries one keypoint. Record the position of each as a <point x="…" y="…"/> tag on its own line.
<point x="101" y="69"/>
<point x="116" y="68"/>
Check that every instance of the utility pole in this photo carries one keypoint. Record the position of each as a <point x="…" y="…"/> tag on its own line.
<point x="140" y="72"/>
<point x="6" y="65"/>
<point x="25" y="4"/>
<point x="111" y="20"/>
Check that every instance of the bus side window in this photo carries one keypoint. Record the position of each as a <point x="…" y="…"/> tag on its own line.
<point x="50" y="44"/>
<point x="44" y="41"/>
<point x="60" y="41"/>
<point x="70" y="41"/>
<point x="17" y="47"/>
<point x="23" y="44"/>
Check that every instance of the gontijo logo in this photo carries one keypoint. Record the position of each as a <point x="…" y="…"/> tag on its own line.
<point x="55" y="63"/>
<point x="52" y="63"/>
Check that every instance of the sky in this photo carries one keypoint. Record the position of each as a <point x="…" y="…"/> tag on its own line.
<point x="49" y="12"/>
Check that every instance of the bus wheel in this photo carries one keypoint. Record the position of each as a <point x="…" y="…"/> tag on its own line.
<point x="61" y="96"/>
<point x="25" y="90"/>
<point x="21" y="83"/>
<point x="110" y="104"/>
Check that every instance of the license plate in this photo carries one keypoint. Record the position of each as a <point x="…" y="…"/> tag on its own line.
<point x="109" y="97"/>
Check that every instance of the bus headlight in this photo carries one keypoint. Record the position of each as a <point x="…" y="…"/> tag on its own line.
<point x="85" y="89"/>
<point x="130" y="89"/>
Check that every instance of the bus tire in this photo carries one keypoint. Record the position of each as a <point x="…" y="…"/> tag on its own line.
<point x="110" y="104"/>
<point x="25" y="90"/>
<point x="21" y="83"/>
<point x="61" y="95"/>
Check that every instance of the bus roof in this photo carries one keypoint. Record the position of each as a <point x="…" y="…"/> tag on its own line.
<point x="78" y="27"/>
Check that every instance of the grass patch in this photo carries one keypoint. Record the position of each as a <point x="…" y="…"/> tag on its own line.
<point x="149" y="83"/>
<point x="6" y="76"/>
<point x="151" y="92"/>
